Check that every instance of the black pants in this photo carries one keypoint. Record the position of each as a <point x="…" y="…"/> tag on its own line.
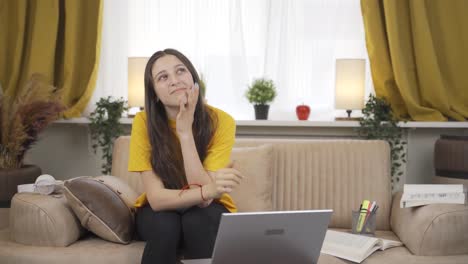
<point x="192" y="230"/>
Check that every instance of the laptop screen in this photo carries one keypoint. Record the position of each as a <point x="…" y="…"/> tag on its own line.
<point x="271" y="237"/>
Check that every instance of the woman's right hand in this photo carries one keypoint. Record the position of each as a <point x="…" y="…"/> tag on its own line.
<point x="224" y="181"/>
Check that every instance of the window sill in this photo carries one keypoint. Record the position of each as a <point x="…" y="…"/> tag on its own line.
<point x="297" y="123"/>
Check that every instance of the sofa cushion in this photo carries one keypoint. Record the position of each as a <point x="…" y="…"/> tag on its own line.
<point x="104" y="206"/>
<point x="43" y="220"/>
<point x="120" y="164"/>
<point x="330" y="174"/>
<point x="87" y="250"/>
<point x="94" y="250"/>
<point x="255" y="191"/>
<point x="431" y="230"/>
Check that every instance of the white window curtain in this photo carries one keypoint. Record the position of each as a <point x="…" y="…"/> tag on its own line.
<point x="231" y="42"/>
<point x="113" y="60"/>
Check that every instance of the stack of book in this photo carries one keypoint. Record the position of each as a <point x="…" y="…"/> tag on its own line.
<point x="424" y="194"/>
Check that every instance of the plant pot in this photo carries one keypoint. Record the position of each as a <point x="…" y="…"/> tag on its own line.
<point x="261" y="112"/>
<point x="11" y="178"/>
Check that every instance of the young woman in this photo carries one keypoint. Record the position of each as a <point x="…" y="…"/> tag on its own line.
<point x="182" y="148"/>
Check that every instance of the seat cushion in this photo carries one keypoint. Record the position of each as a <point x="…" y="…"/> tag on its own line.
<point x="43" y="220"/>
<point x="88" y="249"/>
<point x="255" y="191"/>
<point x="104" y="206"/>
<point x="94" y="250"/>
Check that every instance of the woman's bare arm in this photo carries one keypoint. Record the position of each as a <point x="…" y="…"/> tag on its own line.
<point x="193" y="167"/>
<point x="160" y="198"/>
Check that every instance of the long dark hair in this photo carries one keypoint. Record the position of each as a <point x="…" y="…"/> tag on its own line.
<point x="166" y="155"/>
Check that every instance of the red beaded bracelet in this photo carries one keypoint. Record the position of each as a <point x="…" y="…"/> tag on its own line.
<point x="186" y="187"/>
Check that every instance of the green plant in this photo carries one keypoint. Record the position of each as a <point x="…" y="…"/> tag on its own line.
<point x="379" y="122"/>
<point x="23" y="116"/>
<point x="261" y="92"/>
<point x="105" y="127"/>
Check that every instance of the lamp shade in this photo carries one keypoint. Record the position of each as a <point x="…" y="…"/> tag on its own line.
<point x="350" y="81"/>
<point x="136" y="85"/>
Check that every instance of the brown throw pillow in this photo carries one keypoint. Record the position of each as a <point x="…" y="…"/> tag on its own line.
<point x="255" y="191"/>
<point x="104" y="205"/>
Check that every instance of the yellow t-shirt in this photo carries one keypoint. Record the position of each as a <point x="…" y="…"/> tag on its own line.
<point x="217" y="157"/>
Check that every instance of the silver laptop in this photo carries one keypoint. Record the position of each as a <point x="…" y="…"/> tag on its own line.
<point x="293" y="237"/>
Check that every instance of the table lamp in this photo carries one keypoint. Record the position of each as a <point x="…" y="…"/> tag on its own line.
<point x="349" y="86"/>
<point x="136" y="86"/>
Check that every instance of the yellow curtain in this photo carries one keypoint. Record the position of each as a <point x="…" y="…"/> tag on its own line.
<point x="59" y="39"/>
<point x="419" y="56"/>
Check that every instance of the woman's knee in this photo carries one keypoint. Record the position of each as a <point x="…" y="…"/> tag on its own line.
<point x="201" y="220"/>
<point x="164" y="225"/>
<point x="200" y="227"/>
<point x="195" y="218"/>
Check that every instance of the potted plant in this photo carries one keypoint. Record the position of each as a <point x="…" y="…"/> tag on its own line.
<point x="260" y="93"/>
<point x="22" y="118"/>
<point x="379" y="122"/>
<point x="105" y="127"/>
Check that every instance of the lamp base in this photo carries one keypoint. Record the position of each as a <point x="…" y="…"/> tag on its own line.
<point x="348" y="118"/>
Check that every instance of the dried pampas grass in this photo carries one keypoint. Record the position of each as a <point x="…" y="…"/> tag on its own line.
<point x="23" y="117"/>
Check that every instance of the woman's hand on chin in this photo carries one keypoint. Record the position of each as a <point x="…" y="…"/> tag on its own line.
<point x="187" y="104"/>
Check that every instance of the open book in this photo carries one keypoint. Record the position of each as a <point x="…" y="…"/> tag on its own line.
<point x="354" y="247"/>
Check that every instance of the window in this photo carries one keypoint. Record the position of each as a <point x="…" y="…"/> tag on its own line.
<point x="231" y="42"/>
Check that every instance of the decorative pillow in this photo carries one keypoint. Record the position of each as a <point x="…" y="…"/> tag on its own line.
<point x="255" y="191"/>
<point x="43" y="220"/>
<point x="104" y="206"/>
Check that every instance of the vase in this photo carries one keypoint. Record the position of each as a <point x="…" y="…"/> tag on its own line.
<point x="261" y="112"/>
<point x="11" y="178"/>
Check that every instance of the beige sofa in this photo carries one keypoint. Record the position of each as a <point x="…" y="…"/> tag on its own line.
<point x="293" y="175"/>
